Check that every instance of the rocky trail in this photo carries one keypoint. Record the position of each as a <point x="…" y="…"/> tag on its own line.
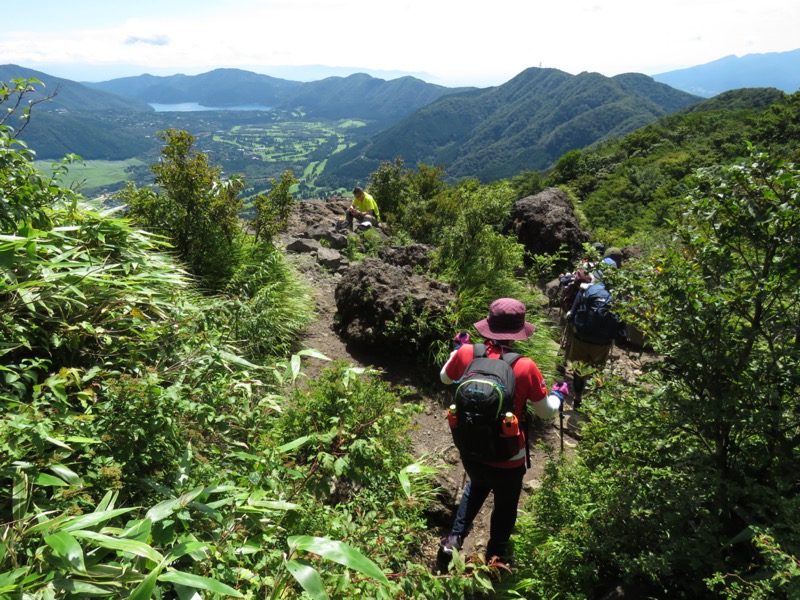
<point x="430" y="434"/>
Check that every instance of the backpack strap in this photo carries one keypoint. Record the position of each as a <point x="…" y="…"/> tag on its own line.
<point x="479" y="351"/>
<point x="510" y="357"/>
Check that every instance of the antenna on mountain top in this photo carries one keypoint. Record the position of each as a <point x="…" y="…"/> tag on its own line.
<point x="540" y="64"/>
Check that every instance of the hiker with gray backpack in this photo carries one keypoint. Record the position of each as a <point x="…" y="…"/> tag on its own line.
<point x="488" y="422"/>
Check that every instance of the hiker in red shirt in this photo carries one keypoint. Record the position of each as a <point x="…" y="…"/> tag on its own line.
<point x="505" y="324"/>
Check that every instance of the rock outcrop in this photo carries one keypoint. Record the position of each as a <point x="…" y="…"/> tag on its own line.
<point x="383" y="305"/>
<point x="546" y="222"/>
<point x="389" y="308"/>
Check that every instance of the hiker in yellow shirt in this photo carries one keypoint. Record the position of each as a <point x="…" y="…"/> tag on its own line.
<point x="364" y="210"/>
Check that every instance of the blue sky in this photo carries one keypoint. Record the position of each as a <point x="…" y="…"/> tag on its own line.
<point x="450" y="42"/>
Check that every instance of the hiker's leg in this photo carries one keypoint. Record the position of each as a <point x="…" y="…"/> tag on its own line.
<point x="507" y="489"/>
<point x="475" y="494"/>
<point x="578" y="385"/>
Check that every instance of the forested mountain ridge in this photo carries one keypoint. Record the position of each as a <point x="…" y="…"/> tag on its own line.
<point x="527" y="123"/>
<point x="631" y="189"/>
<point x="364" y="96"/>
<point x="356" y="96"/>
<point x="220" y="87"/>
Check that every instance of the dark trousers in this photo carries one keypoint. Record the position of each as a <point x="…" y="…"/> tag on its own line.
<point x="507" y="487"/>
<point x="349" y="219"/>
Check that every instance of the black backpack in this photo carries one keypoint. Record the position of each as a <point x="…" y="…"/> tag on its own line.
<point x="484" y="394"/>
<point x="594" y="319"/>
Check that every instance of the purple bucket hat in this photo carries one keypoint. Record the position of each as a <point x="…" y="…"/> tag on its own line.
<point x="506" y="321"/>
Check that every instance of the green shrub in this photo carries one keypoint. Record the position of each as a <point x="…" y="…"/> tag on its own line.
<point x="679" y="469"/>
<point x="273" y="209"/>
<point x="355" y="427"/>
<point x="268" y="305"/>
<point x="197" y="209"/>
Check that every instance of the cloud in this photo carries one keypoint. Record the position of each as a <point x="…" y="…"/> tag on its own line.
<point x="157" y="40"/>
<point x="456" y="42"/>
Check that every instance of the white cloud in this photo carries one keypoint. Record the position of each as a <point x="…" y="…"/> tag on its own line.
<point x="449" y="39"/>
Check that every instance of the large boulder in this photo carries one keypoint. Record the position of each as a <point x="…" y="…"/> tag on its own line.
<point x="308" y="218"/>
<point x="412" y="255"/>
<point x="388" y="309"/>
<point x="546" y="222"/>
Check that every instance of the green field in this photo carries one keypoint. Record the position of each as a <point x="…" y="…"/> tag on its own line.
<point x="257" y="147"/>
<point x="93" y="175"/>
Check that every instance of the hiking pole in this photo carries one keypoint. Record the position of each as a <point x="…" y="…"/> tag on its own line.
<point x="560" y="391"/>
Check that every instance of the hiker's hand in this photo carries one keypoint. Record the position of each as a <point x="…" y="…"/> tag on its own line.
<point x="461" y="338"/>
<point x="560" y="388"/>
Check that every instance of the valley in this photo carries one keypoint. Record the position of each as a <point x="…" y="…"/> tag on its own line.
<point x="258" y="145"/>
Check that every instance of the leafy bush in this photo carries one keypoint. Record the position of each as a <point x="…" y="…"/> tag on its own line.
<point x="354" y="429"/>
<point x="273" y="209"/>
<point x="680" y="470"/>
<point x="197" y="210"/>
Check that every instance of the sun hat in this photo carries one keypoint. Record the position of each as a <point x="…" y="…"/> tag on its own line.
<point x="506" y="321"/>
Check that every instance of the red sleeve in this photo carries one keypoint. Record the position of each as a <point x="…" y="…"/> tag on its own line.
<point x="459" y="362"/>
<point x="530" y="383"/>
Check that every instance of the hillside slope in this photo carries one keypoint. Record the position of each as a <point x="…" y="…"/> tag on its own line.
<point x="525" y="124"/>
<point x="71" y="95"/>
<point x="632" y="188"/>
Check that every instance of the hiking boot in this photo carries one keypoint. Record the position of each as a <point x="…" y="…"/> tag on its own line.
<point x="450" y="542"/>
<point x="445" y="555"/>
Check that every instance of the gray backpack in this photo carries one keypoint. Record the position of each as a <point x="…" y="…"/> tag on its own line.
<point x="484" y="394"/>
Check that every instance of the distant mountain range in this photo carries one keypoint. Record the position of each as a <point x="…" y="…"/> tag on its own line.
<point x="487" y="133"/>
<point x="779" y="70"/>
<point x="71" y="95"/>
<point x="355" y="96"/>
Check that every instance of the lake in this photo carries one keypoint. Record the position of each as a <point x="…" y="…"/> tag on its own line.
<point x="195" y="107"/>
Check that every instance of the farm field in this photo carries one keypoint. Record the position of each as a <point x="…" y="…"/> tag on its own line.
<point x="90" y="177"/>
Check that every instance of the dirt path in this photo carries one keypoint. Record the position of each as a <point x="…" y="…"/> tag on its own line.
<point x="430" y="434"/>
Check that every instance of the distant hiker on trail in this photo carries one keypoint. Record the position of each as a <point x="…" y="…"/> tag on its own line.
<point x="503" y="436"/>
<point x="364" y="210"/>
<point x="569" y="283"/>
<point x="592" y="329"/>
<point x="614" y="254"/>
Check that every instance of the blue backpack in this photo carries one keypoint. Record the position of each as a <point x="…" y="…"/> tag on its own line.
<point x="594" y="319"/>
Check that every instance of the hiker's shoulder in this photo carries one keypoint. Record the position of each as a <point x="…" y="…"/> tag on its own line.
<point x="526" y="365"/>
<point x="462" y="356"/>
